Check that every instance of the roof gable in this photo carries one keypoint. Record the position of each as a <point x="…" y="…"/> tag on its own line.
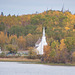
<point x="39" y="40"/>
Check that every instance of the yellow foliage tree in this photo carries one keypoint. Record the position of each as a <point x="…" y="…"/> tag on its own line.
<point x="62" y="45"/>
<point x="21" y="42"/>
<point x="13" y="39"/>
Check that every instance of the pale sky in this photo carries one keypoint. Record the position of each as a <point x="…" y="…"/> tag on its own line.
<point x="21" y="7"/>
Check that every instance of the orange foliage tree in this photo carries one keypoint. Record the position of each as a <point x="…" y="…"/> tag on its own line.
<point x="3" y="38"/>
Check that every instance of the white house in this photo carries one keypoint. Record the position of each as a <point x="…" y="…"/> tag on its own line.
<point x="39" y="45"/>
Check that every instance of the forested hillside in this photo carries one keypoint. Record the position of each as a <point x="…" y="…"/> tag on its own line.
<point x="23" y="31"/>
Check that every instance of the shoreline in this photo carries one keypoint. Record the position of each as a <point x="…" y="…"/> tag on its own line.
<point x="19" y="60"/>
<point x="34" y="61"/>
<point x="59" y="64"/>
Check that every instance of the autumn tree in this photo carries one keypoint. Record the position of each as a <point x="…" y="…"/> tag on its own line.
<point x="16" y="30"/>
<point x="70" y="44"/>
<point x="2" y="26"/>
<point x="62" y="45"/>
<point x="31" y="40"/>
<point x="73" y="57"/>
<point x="46" y="53"/>
<point x="13" y="39"/>
<point x="21" y="43"/>
<point x="2" y="39"/>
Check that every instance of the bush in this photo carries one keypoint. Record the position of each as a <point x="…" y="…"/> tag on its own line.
<point x="12" y="48"/>
<point x="32" y="54"/>
<point x="2" y="55"/>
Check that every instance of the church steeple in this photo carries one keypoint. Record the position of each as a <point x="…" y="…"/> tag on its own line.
<point x="41" y="43"/>
<point x="44" y="31"/>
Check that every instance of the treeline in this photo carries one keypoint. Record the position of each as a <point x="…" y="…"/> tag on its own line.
<point x="21" y="42"/>
<point x="23" y="31"/>
<point x="63" y="52"/>
<point x="58" y="24"/>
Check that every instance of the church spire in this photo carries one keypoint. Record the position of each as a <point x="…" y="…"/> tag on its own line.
<point x="43" y="31"/>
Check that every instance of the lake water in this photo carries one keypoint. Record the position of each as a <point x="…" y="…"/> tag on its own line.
<point x="16" y="68"/>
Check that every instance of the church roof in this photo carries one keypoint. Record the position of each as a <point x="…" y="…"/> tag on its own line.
<point x="39" y="40"/>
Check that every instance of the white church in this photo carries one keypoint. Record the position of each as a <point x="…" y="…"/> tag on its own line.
<point x="39" y="45"/>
